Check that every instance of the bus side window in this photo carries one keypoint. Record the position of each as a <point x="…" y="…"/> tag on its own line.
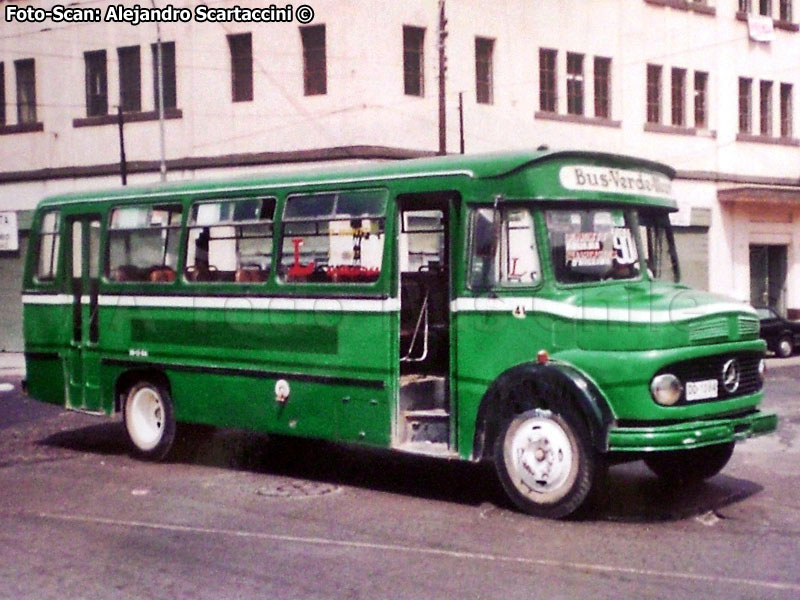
<point x="143" y="243"/>
<point x="422" y="241"/>
<point x="333" y="237"/>
<point x="49" y="241"/>
<point x="515" y="261"/>
<point x="230" y="241"/>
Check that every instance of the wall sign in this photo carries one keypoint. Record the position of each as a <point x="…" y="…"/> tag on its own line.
<point x="9" y="238"/>
<point x="761" y="28"/>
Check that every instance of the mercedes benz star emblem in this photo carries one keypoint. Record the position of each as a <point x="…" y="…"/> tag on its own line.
<point x="730" y="375"/>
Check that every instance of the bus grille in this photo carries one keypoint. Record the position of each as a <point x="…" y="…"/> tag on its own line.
<point x="711" y="367"/>
<point x="706" y="332"/>
<point x="748" y="327"/>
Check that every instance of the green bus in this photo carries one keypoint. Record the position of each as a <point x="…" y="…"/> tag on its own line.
<point x="522" y="308"/>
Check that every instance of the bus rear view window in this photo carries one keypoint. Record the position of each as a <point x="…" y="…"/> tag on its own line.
<point x="333" y="237"/>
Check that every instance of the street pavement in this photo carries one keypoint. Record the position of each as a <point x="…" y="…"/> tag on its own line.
<point x="238" y="515"/>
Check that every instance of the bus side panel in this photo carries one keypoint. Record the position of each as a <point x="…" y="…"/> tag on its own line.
<point x="480" y="336"/>
<point x="47" y="333"/>
<point x="223" y="366"/>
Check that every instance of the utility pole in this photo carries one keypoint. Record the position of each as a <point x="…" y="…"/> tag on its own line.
<point x="123" y="164"/>
<point x="461" y="121"/>
<point x="442" y="81"/>
<point x="160" y="76"/>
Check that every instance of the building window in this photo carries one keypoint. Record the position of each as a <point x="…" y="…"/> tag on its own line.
<point x="130" y="79"/>
<point x="602" y="87"/>
<point x="168" y="66"/>
<point x="26" y="90"/>
<point x="744" y="6"/>
<point x="484" y="72"/>
<point x="765" y="7"/>
<point x="315" y="77"/>
<point x="785" y="13"/>
<point x="96" y="84"/>
<point x="2" y="94"/>
<point x="241" y="46"/>
<point x="765" y="107"/>
<point x="700" y="100"/>
<point x="574" y="83"/>
<point x="548" y="100"/>
<point x="745" y="105"/>
<point x="413" y="61"/>
<point x="786" y="110"/>
<point x="654" y="93"/>
<point x="678" y="87"/>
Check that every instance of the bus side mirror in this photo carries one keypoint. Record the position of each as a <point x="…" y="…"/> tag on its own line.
<point x="487" y="240"/>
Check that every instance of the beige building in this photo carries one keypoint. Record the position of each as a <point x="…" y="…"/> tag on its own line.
<point x="707" y="86"/>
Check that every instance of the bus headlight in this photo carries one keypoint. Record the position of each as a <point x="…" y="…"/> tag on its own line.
<point x="762" y="369"/>
<point x="666" y="389"/>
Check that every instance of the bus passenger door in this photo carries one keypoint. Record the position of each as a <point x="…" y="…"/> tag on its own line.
<point x="83" y="356"/>
<point x="424" y="410"/>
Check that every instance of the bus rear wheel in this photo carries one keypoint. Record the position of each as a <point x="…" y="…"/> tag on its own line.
<point x="545" y="463"/>
<point x="690" y="466"/>
<point x="149" y="420"/>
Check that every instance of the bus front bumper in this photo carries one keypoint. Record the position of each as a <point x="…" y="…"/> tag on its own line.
<point x="691" y="434"/>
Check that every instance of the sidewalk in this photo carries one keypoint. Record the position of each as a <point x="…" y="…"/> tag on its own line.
<point x="12" y="364"/>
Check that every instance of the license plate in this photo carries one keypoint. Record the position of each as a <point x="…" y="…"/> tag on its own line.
<point x="701" y="390"/>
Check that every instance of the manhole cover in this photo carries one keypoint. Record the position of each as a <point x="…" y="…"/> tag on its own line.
<point x="297" y="489"/>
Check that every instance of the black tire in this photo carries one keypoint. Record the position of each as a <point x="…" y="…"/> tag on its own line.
<point x="545" y="462"/>
<point x="784" y="347"/>
<point x="149" y="420"/>
<point x="690" y="466"/>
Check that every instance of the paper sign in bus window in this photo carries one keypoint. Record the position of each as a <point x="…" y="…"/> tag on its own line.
<point x="588" y="249"/>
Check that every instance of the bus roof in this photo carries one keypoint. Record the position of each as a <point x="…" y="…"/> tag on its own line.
<point x="473" y="166"/>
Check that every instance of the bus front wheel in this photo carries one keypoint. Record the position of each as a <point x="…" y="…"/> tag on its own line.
<point x="149" y="420"/>
<point x="545" y="463"/>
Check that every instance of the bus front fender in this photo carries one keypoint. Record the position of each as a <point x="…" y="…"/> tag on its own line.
<point x="552" y="386"/>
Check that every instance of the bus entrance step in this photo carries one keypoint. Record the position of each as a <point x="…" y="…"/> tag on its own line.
<point x="432" y="425"/>
<point x="422" y="392"/>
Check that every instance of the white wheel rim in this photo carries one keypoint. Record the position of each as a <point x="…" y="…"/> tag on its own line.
<point x="786" y="347"/>
<point x="539" y="457"/>
<point x="144" y="414"/>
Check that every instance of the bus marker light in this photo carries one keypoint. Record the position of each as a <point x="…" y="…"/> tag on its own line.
<point x="282" y="391"/>
<point x="542" y="357"/>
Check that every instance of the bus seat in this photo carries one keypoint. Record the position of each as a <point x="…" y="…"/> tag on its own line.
<point x="248" y="275"/>
<point x="162" y="275"/>
<point x="126" y="273"/>
<point x="198" y="273"/>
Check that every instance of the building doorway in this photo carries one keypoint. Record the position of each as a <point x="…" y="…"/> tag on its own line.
<point x="768" y="268"/>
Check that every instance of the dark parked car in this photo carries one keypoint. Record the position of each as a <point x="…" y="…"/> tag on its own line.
<point x="782" y="336"/>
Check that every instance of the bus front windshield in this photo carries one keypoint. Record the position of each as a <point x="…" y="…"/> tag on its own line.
<point x="590" y="245"/>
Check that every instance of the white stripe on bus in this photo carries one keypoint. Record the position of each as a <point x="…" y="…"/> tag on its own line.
<point x="377" y="305"/>
<point x="594" y="313"/>
<point x="388" y="305"/>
